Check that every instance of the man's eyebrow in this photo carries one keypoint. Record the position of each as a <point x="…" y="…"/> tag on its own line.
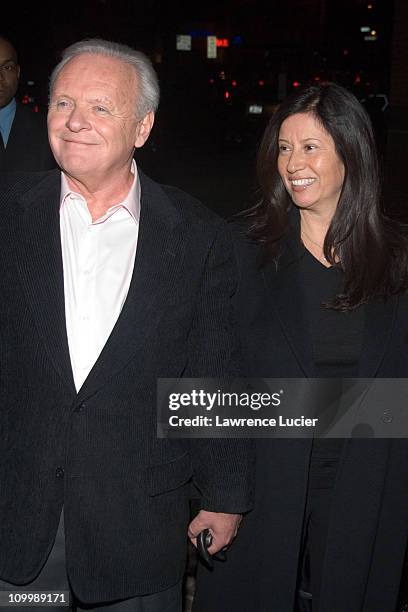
<point x="60" y="94"/>
<point x="9" y="61"/>
<point x="101" y="100"/>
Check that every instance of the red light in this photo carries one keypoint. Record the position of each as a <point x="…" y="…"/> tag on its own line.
<point x="227" y="95"/>
<point x="296" y="84"/>
<point x="234" y="83"/>
<point x="25" y="99"/>
<point x="316" y="78"/>
<point x="357" y="79"/>
<point x="36" y="108"/>
<point x="211" y="81"/>
<point x="222" y="42"/>
<point x="345" y="51"/>
<point x="261" y="83"/>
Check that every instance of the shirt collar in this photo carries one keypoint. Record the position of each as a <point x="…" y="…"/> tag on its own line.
<point x="131" y="203"/>
<point x="8" y="110"/>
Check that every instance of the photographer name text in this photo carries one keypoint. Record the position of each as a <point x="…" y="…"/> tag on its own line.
<point x="218" y="421"/>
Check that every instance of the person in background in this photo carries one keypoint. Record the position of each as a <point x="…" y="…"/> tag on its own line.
<point x="24" y="143"/>
<point x="323" y="288"/>
<point x="109" y="281"/>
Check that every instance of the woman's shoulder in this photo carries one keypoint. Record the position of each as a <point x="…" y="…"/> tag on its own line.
<point x="256" y="259"/>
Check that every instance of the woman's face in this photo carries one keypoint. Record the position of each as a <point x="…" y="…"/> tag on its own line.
<point x="308" y="164"/>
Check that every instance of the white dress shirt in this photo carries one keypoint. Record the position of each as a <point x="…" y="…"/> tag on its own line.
<point x="98" y="259"/>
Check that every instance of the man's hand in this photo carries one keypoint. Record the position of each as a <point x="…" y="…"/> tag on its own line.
<point x="223" y="528"/>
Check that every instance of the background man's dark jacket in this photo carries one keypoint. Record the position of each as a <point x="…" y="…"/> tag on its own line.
<point x="27" y="148"/>
<point x="125" y="492"/>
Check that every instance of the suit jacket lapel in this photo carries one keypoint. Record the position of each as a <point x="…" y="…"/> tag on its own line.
<point x="283" y="286"/>
<point x="39" y="260"/>
<point x="161" y="243"/>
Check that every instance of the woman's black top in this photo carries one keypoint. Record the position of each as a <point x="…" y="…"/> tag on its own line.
<point x="336" y="340"/>
<point x="336" y="337"/>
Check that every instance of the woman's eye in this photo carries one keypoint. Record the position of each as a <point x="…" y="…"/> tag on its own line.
<point x="283" y="148"/>
<point x="101" y="109"/>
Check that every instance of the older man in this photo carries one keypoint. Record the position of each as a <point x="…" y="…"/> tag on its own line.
<point x="23" y="134"/>
<point x="108" y="281"/>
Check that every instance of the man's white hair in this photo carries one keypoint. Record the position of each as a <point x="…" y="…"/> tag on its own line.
<point x="148" y="92"/>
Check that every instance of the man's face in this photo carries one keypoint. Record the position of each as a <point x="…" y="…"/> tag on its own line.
<point x="92" y="122"/>
<point x="9" y="72"/>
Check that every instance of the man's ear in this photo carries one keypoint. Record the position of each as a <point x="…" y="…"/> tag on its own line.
<point x="143" y="129"/>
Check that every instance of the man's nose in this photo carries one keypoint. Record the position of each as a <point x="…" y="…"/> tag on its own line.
<point x="77" y="120"/>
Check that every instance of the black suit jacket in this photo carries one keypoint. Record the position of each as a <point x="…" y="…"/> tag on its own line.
<point x="27" y="148"/>
<point x="369" y="524"/>
<point x="125" y="492"/>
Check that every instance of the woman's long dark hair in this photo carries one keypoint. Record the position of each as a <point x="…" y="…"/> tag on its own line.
<point x="360" y="240"/>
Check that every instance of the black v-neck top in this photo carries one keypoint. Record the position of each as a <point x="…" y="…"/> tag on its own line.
<point x="336" y="336"/>
<point x="336" y="339"/>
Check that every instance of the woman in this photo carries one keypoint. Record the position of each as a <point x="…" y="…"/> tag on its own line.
<point x="323" y="278"/>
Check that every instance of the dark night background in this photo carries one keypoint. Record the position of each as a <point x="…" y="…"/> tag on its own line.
<point x="205" y="138"/>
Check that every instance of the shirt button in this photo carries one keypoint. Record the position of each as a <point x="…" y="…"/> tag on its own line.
<point x="59" y="472"/>
<point x="80" y="408"/>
